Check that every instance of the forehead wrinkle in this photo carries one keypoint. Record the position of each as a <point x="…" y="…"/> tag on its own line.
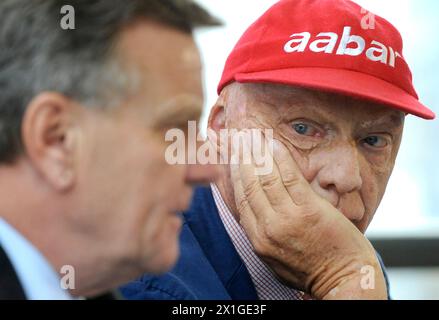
<point x="282" y="98"/>
<point x="281" y="94"/>
<point x="269" y="105"/>
<point x="235" y="100"/>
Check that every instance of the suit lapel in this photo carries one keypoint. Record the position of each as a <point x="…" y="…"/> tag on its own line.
<point x="204" y="221"/>
<point x="10" y="287"/>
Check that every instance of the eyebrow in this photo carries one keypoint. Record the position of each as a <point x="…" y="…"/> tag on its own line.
<point x="308" y="108"/>
<point x="390" y="122"/>
<point x="393" y="120"/>
<point x="310" y="102"/>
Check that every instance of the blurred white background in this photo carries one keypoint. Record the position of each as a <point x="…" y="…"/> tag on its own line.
<point x="408" y="208"/>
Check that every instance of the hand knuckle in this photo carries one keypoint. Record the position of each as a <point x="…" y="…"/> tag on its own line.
<point x="242" y="204"/>
<point x="269" y="181"/>
<point x="290" y="179"/>
<point x="250" y="189"/>
<point x="260" y="247"/>
<point x="271" y="232"/>
<point x="310" y="214"/>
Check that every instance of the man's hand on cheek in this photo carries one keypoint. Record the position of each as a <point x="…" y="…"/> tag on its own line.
<point x="307" y="242"/>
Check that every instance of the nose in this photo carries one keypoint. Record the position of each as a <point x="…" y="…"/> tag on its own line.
<point x="340" y="170"/>
<point x="201" y="174"/>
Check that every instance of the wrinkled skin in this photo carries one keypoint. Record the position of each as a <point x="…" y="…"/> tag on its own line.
<point x="340" y="153"/>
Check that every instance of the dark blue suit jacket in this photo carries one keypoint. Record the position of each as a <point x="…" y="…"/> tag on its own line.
<point x="209" y="267"/>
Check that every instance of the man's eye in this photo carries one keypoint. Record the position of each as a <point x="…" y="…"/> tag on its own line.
<point x="376" y="141"/>
<point x="304" y="129"/>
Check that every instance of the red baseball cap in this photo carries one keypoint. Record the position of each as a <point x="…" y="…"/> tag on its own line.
<point x="330" y="45"/>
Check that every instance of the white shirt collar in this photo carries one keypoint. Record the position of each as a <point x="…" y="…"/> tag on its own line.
<point x="37" y="277"/>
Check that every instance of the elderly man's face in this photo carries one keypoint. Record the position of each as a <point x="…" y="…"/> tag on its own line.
<point x="345" y="148"/>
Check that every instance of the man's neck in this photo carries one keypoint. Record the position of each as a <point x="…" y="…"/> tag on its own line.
<point x="47" y="221"/>
<point x="36" y="274"/>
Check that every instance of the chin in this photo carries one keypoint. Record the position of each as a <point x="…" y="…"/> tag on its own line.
<point x="165" y="260"/>
<point x="167" y="251"/>
<point x="362" y="227"/>
<point x="164" y="249"/>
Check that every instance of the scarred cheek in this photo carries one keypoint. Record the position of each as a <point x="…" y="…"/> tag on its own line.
<point x="375" y="180"/>
<point x="370" y="197"/>
<point x="382" y="170"/>
<point x="378" y="186"/>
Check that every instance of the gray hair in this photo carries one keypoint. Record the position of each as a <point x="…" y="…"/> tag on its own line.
<point x="37" y="55"/>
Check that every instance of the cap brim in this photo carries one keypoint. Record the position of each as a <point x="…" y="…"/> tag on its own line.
<point x="346" y="82"/>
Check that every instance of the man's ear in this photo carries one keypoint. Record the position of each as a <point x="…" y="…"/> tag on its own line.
<point x="217" y="116"/>
<point x="216" y="122"/>
<point x="49" y="138"/>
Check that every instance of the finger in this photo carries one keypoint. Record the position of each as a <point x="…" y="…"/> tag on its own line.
<point x="272" y="184"/>
<point x="296" y="185"/>
<point x="252" y="189"/>
<point x="247" y="218"/>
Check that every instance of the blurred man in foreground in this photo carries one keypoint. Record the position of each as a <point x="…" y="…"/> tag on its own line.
<point x="87" y="199"/>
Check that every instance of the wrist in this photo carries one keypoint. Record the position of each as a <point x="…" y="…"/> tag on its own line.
<point x="361" y="279"/>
